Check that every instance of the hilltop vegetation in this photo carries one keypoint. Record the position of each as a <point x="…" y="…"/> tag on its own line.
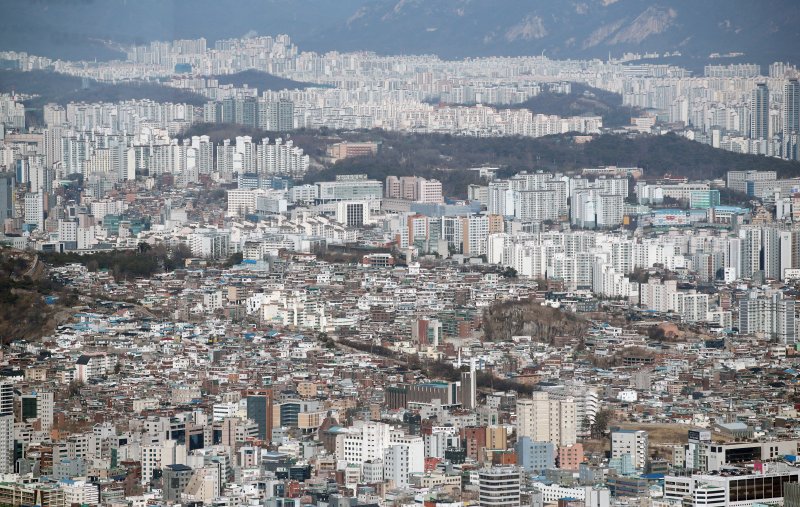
<point x="63" y="88"/>
<point x="23" y="286"/>
<point x="261" y="80"/>
<point x="583" y="100"/>
<point x="502" y="321"/>
<point x="122" y="264"/>
<point x="446" y="157"/>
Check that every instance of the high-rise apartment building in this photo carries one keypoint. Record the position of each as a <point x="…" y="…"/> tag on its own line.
<point x="546" y="419"/>
<point x="404" y="456"/>
<point x="632" y="442"/>
<point x="750" y="251"/>
<point x="34" y="209"/>
<point x="475" y="231"/>
<point x="759" y="110"/>
<point x="771" y="315"/>
<point x="791" y="120"/>
<point x="469" y="388"/>
<point x="7" y="183"/>
<point x="791" y="107"/>
<point x="6" y="427"/>
<point x="414" y="188"/>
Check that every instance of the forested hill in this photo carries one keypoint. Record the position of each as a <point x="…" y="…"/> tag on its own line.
<point x="443" y="155"/>
<point x="447" y="157"/>
<point x="62" y="89"/>
<point x="261" y="80"/>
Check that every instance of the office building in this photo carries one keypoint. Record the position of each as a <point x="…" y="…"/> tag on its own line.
<point x="34" y="210"/>
<point x="174" y="480"/>
<point x="260" y="409"/>
<point x="535" y="457"/>
<point x="743" y="488"/>
<point x="38" y="405"/>
<point x="349" y="187"/>
<point x="499" y="487"/>
<point x="353" y="213"/>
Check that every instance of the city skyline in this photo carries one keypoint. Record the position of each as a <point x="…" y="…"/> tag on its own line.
<point x="344" y="254"/>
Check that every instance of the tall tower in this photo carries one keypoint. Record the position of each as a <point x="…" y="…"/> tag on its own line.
<point x="6" y="427"/>
<point x="7" y="184"/>
<point x="759" y="116"/>
<point x="259" y="409"/>
<point x="791" y="107"/>
<point x="791" y="120"/>
<point x="469" y="386"/>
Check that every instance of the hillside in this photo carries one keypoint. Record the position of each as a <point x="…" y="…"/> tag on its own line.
<point x="445" y="157"/>
<point x="583" y="100"/>
<point x="23" y="287"/>
<point x="502" y="321"/>
<point x="63" y="88"/>
<point x="261" y="81"/>
<point x="313" y="142"/>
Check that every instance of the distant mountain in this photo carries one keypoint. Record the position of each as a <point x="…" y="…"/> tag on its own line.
<point x="88" y="29"/>
<point x="766" y="30"/>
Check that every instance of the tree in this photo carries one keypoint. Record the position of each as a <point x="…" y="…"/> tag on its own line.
<point x="639" y="275"/>
<point x="177" y="257"/>
<point x="74" y="388"/>
<point x="600" y="425"/>
<point x="509" y="272"/>
<point x="586" y="424"/>
<point x="233" y="260"/>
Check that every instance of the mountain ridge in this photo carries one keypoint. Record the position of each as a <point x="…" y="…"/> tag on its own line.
<point x="765" y="31"/>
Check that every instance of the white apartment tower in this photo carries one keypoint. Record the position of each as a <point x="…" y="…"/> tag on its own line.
<point x="632" y="442"/>
<point x="543" y="418"/>
<point x="6" y="427"/>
